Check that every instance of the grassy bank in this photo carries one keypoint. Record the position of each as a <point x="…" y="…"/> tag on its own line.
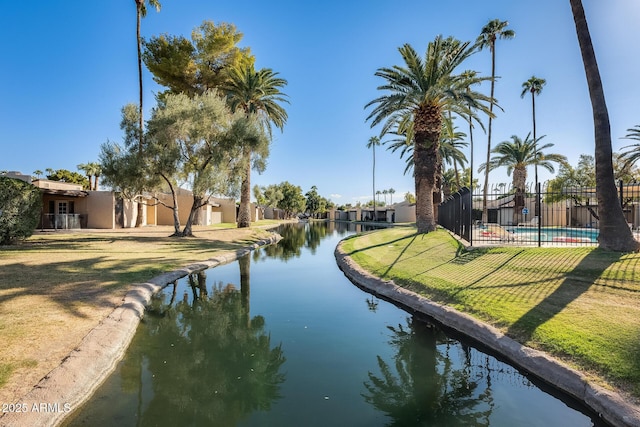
<point x="56" y="286"/>
<point x="580" y="304"/>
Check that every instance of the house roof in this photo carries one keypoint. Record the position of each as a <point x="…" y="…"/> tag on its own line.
<point x="67" y="193"/>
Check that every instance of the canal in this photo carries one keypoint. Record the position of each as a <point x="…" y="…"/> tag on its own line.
<point x="283" y="338"/>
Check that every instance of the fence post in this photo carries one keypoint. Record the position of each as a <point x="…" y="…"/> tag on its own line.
<point x="621" y="194"/>
<point x="539" y="209"/>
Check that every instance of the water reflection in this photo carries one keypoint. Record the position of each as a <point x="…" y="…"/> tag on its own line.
<point x="299" y="236"/>
<point x="423" y="385"/>
<point x="211" y="364"/>
<point x="202" y="358"/>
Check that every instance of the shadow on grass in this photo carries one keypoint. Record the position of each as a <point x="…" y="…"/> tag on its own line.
<point x="75" y="284"/>
<point x="594" y="263"/>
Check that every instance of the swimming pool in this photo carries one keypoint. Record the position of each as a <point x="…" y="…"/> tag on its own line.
<point x="556" y="234"/>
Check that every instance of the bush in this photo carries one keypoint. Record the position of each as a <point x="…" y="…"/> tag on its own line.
<point x="20" y="205"/>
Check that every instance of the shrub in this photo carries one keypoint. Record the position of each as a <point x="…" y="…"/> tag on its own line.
<point x="20" y="205"/>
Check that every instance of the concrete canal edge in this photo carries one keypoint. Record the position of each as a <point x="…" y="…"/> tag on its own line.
<point x="82" y="372"/>
<point x="612" y="407"/>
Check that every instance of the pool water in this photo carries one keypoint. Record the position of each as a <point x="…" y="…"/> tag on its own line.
<point x="556" y="234"/>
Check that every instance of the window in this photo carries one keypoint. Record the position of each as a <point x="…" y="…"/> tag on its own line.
<point x="62" y="208"/>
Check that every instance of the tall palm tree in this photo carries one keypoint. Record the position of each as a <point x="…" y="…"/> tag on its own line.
<point x="373" y="142"/>
<point x="471" y="74"/>
<point x="419" y="92"/>
<point x="517" y="155"/>
<point x="495" y="29"/>
<point x="534" y="87"/>
<point x="614" y="233"/>
<point x="255" y="92"/>
<point x="141" y="12"/>
<point x="391" y="193"/>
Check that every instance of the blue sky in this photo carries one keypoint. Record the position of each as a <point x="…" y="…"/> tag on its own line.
<point x="68" y="68"/>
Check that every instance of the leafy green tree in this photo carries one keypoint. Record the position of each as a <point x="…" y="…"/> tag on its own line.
<point x="583" y="175"/>
<point x="315" y="203"/>
<point x="417" y="95"/>
<point x="141" y="12"/>
<point x="209" y="140"/>
<point x="197" y="65"/>
<point x="64" y="175"/>
<point x="614" y="232"/>
<point x="20" y="207"/>
<point x="408" y="197"/>
<point x="255" y="93"/>
<point x="131" y="174"/>
<point x="293" y="201"/>
<point x="492" y="31"/>
<point x="624" y="171"/>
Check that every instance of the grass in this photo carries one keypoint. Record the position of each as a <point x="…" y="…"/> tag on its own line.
<point x="56" y="286"/>
<point x="580" y="304"/>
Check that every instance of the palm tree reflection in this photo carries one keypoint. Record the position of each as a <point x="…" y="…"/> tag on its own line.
<point x="422" y="386"/>
<point x="203" y="361"/>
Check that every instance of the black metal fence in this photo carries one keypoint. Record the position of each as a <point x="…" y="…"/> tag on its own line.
<point x="542" y="216"/>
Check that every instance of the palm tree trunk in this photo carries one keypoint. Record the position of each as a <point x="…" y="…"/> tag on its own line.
<point x="176" y="215"/>
<point x="427" y="125"/>
<point x="373" y="146"/>
<point x="245" y="287"/>
<point x="140" y="124"/>
<point x="141" y="130"/>
<point x="485" y="194"/>
<point x="244" y="213"/>
<point x="614" y="232"/>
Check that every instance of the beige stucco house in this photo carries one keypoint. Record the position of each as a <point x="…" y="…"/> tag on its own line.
<point x="69" y="206"/>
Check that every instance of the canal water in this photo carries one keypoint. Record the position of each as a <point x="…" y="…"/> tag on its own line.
<point x="282" y="338"/>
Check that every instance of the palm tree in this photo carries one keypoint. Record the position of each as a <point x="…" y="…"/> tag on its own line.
<point x="37" y="173"/>
<point x="451" y="146"/>
<point x="418" y="93"/>
<point x="631" y="156"/>
<point x="614" y="233"/>
<point x="373" y="141"/>
<point x="471" y="74"/>
<point x="87" y="168"/>
<point x="534" y="87"/>
<point x="517" y="155"/>
<point x="141" y="12"/>
<point x="391" y="193"/>
<point x="255" y="92"/>
<point x="495" y="29"/>
<point x="384" y="193"/>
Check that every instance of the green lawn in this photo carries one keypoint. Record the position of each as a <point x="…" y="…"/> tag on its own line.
<point x="580" y="304"/>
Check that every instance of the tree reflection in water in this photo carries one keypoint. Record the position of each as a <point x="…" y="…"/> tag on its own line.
<point x="422" y="386"/>
<point x="207" y="363"/>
